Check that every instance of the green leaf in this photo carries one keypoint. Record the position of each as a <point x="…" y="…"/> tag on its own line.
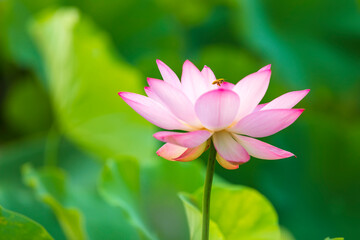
<point x="286" y="234"/>
<point x="78" y="190"/>
<point x="160" y="186"/>
<point x="119" y="186"/>
<point x="84" y="77"/>
<point x="16" y="226"/>
<point x="337" y="238"/>
<point x="237" y="212"/>
<point x="14" y="194"/>
<point x="49" y="183"/>
<point x="15" y="16"/>
<point x="195" y="220"/>
<point x="82" y="172"/>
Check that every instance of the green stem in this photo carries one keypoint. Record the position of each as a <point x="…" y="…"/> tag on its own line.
<point x="207" y="192"/>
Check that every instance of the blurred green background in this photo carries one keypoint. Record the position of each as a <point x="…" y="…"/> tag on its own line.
<point x="63" y="129"/>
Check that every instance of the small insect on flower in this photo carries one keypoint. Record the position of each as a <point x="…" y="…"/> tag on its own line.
<point x="218" y="81"/>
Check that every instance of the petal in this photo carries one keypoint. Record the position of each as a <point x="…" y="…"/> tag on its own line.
<point x="208" y="75"/>
<point x="266" y="122"/>
<point x="210" y="78"/>
<point x="175" y="100"/>
<point x="152" y="95"/>
<point x="229" y="149"/>
<point x="193" y="82"/>
<point x="217" y="109"/>
<point x="168" y="75"/>
<point x="188" y="139"/>
<point x="261" y="149"/>
<point x="251" y="90"/>
<point x="259" y="107"/>
<point x="152" y="111"/>
<point x="174" y="152"/>
<point x="170" y="151"/>
<point x="267" y="67"/>
<point x="227" y="85"/>
<point x="287" y="100"/>
<point x="226" y="164"/>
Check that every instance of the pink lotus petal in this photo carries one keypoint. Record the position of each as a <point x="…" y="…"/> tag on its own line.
<point x="208" y="75"/>
<point x="217" y="109"/>
<point x="152" y="95"/>
<point x="251" y="90"/>
<point x="261" y="149"/>
<point x="175" y="100"/>
<point x="210" y="78"/>
<point x="226" y="164"/>
<point x="266" y="122"/>
<point x="229" y="149"/>
<point x="227" y="85"/>
<point x="168" y="75"/>
<point x="193" y="153"/>
<point x="267" y="67"/>
<point x="287" y="100"/>
<point x="152" y="111"/>
<point x="188" y="139"/>
<point x="193" y="82"/>
<point x="174" y="152"/>
<point x="259" y="107"/>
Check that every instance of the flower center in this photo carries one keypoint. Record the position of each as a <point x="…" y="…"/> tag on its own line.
<point x="218" y="81"/>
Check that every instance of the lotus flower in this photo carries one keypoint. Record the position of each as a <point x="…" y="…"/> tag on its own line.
<point x="204" y="109"/>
